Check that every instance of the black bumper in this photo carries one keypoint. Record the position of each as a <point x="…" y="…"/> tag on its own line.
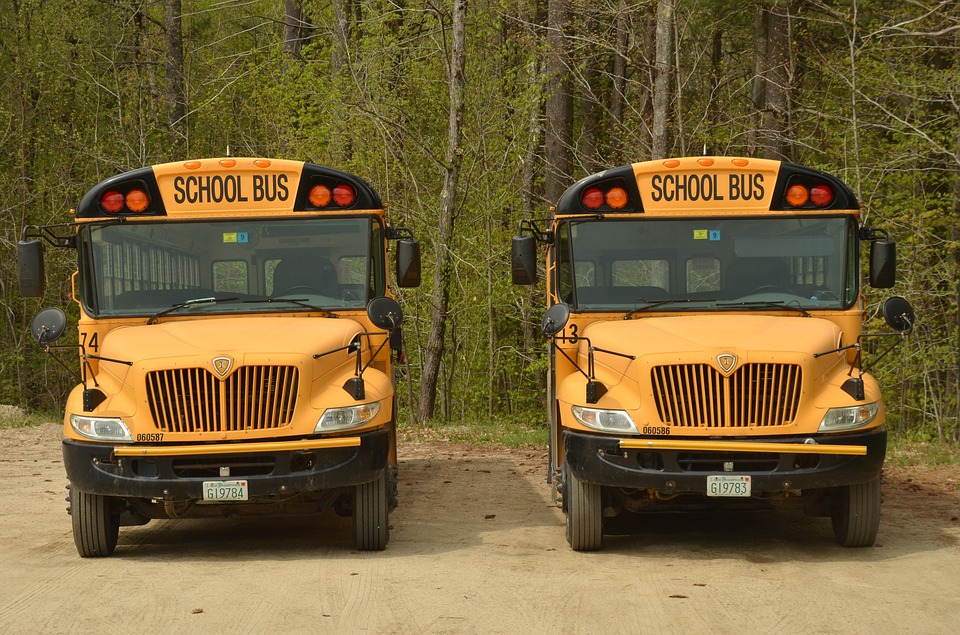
<point x="94" y="469"/>
<point x="601" y="460"/>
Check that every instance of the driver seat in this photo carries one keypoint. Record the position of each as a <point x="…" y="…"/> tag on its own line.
<point x="305" y="271"/>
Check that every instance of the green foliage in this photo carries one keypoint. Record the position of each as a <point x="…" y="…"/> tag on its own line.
<point x="875" y="88"/>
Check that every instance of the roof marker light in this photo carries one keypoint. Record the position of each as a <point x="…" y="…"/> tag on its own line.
<point x="821" y="195"/>
<point x="111" y="201"/>
<point x="344" y="195"/>
<point x="137" y="201"/>
<point x="797" y="195"/>
<point x="592" y="198"/>
<point x="617" y="198"/>
<point x="320" y="196"/>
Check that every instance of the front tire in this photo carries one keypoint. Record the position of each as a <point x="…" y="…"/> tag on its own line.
<point x="856" y="514"/>
<point x="371" y="529"/>
<point x="96" y="523"/>
<point x="584" y="513"/>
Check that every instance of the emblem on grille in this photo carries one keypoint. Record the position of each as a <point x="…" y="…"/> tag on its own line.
<point x="726" y="362"/>
<point x="222" y="365"/>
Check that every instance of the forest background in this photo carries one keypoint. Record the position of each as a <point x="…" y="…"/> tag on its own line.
<point x="469" y="117"/>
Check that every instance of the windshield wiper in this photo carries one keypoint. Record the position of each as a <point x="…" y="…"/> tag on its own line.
<point x="657" y="303"/>
<point x="189" y="303"/>
<point x="298" y="301"/>
<point x="762" y="304"/>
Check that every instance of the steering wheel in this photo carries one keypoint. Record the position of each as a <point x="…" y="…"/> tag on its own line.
<point x="301" y="288"/>
<point x="771" y="288"/>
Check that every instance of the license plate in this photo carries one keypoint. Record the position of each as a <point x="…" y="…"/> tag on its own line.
<point x="728" y="485"/>
<point x="225" y="491"/>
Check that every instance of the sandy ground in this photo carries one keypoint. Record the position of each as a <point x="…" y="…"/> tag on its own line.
<point x="476" y="547"/>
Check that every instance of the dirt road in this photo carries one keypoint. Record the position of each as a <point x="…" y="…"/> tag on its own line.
<point x="476" y="547"/>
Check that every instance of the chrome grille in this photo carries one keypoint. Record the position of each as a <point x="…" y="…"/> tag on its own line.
<point x="196" y="400"/>
<point x="699" y="396"/>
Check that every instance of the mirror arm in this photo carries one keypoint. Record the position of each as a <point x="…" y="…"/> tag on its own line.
<point x="873" y="233"/>
<point x="542" y="236"/>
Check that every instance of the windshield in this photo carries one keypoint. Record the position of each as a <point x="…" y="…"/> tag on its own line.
<point x="708" y="263"/>
<point x="233" y="266"/>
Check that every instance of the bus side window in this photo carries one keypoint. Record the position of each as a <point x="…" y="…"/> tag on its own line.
<point x="703" y="274"/>
<point x="230" y="276"/>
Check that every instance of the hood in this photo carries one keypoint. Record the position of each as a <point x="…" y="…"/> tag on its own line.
<point x="238" y="338"/>
<point x="700" y="334"/>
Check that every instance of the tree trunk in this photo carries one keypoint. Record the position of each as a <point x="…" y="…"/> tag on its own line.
<point x="292" y="28"/>
<point x="176" y="88"/>
<point x="617" y="96"/>
<point x="663" y="80"/>
<point x="559" y="125"/>
<point x="442" y="270"/>
<point x="772" y="81"/>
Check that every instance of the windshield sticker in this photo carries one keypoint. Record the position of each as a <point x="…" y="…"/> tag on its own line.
<point x="236" y="237"/>
<point x="706" y="234"/>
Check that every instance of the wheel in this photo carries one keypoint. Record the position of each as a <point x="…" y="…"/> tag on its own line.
<point x="584" y="514"/>
<point x="96" y="523"/>
<point x="370" y="527"/>
<point x="856" y="514"/>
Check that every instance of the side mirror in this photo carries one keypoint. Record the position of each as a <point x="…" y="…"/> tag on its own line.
<point x="523" y="259"/>
<point x="408" y="263"/>
<point x="899" y="314"/>
<point x="385" y="313"/>
<point x="48" y="326"/>
<point x="555" y="319"/>
<point x="30" y="268"/>
<point x="883" y="264"/>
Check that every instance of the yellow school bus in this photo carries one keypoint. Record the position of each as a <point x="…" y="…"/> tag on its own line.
<point x="237" y="337"/>
<point x="705" y="317"/>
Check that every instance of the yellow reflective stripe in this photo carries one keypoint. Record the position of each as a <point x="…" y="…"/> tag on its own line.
<point x="235" y="448"/>
<point x="742" y="446"/>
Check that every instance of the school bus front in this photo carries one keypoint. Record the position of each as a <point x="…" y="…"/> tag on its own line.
<point x="706" y="320"/>
<point x="236" y="341"/>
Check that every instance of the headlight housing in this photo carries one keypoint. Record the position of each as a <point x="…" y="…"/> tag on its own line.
<point x="348" y="417"/>
<point x="617" y="421"/>
<point x="838" y="419"/>
<point x="101" y="428"/>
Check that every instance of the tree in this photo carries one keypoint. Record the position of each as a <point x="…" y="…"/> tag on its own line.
<point x="440" y="296"/>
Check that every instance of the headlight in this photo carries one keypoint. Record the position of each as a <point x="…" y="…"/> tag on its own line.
<point x="849" y="418"/>
<point x="604" y="420"/>
<point x="349" y="417"/>
<point x="101" y="428"/>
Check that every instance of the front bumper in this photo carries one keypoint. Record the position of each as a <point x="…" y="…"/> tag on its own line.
<point x="271" y="469"/>
<point x="683" y="465"/>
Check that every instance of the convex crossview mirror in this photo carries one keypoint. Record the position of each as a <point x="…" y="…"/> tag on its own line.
<point x="899" y="314"/>
<point x="555" y="319"/>
<point x="48" y="326"/>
